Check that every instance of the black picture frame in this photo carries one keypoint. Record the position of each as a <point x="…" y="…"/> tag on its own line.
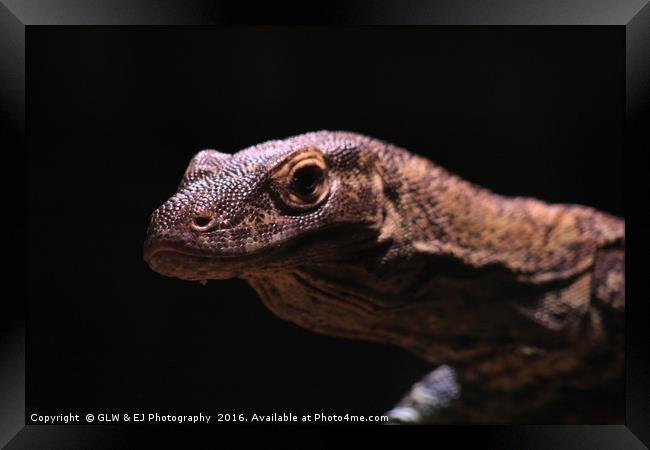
<point x="19" y="18"/>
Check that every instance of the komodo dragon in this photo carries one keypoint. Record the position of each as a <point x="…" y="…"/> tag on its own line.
<point x="518" y="302"/>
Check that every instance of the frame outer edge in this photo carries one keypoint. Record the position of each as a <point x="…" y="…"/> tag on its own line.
<point x="637" y="117"/>
<point x="334" y="12"/>
<point x="12" y="97"/>
<point x="12" y="132"/>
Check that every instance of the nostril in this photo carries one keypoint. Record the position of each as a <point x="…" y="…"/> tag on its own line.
<point x="201" y="222"/>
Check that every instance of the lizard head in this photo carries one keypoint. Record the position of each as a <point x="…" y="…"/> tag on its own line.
<point x="269" y="207"/>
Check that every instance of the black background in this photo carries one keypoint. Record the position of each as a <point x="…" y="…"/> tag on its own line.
<point x="116" y="116"/>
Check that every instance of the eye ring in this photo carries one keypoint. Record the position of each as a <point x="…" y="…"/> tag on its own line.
<point x="303" y="182"/>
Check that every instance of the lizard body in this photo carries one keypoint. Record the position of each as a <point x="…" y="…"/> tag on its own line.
<point x="350" y="236"/>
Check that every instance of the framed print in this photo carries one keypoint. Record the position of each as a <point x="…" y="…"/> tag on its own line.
<point x="360" y="214"/>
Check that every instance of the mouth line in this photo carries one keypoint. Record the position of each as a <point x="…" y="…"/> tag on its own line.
<point x="149" y="253"/>
<point x="158" y="249"/>
<point x="263" y="252"/>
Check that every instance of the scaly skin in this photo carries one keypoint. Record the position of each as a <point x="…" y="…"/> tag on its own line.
<point x="353" y="237"/>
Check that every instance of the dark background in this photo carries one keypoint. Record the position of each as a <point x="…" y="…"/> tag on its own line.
<point x="116" y="116"/>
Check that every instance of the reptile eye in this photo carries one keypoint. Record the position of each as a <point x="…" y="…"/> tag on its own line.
<point x="302" y="182"/>
<point x="306" y="182"/>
